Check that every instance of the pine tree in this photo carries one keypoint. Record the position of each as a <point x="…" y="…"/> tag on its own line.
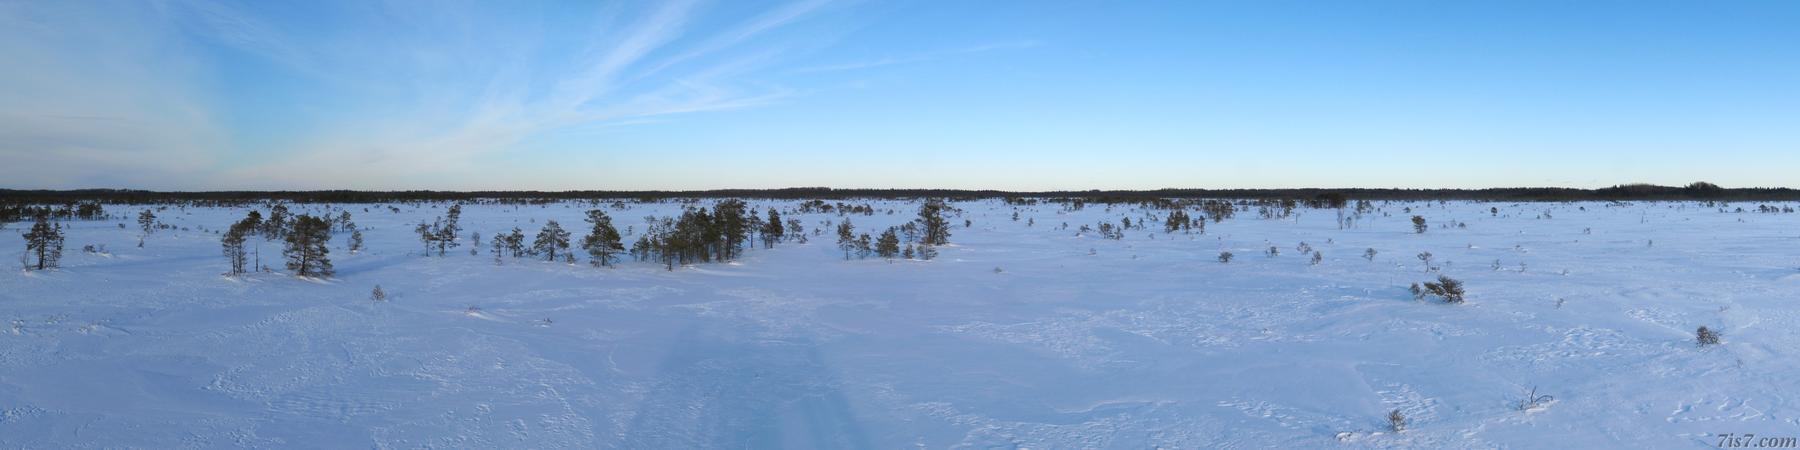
<point x="356" y="241"/>
<point x="733" y="228"/>
<point x="233" y="243"/>
<point x="448" y="230"/>
<point x="889" y="244"/>
<point x="846" y="237"/>
<point x="428" y="236"/>
<point x="772" y="231"/>
<point x="147" y="220"/>
<point x="864" y="246"/>
<point x="1418" y="224"/>
<point x="306" y="247"/>
<point x="499" y="244"/>
<point x="275" y="226"/>
<point x="927" y="252"/>
<point x="602" y="242"/>
<point x="515" y="242"/>
<point x="795" y="231"/>
<point x="550" y="240"/>
<point x="931" y="222"/>
<point x="44" y="240"/>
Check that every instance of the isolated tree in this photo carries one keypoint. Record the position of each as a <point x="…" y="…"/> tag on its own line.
<point x="1425" y="257"/>
<point x="772" y="231"/>
<point x="233" y="245"/>
<point x="44" y="240"/>
<point x="846" y="237"/>
<point x="888" y="246"/>
<point x="551" y="240"/>
<point x="307" y="254"/>
<point x="1418" y="224"/>
<point x="356" y="241"/>
<point x="147" y="221"/>
<point x="602" y="241"/>
<point x="1447" y="288"/>
<point x="1225" y="257"/>
<point x="1369" y="254"/>
<point x="344" y="222"/>
<point x="1317" y="257"/>
<point x="1706" y="336"/>
<point x="378" y="294"/>
<point x="936" y="231"/>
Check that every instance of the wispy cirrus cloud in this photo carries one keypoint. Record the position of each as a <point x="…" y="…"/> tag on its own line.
<point x="411" y="91"/>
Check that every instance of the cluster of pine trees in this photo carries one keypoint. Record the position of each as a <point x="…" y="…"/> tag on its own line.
<point x="921" y="236"/>
<point x="441" y="233"/>
<point x="699" y="235"/>
<point x="305" y="240"/>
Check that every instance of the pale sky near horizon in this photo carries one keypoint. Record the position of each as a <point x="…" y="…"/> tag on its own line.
<point x="1013" y="95"/>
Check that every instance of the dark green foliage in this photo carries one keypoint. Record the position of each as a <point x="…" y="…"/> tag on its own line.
<point x="233" y="242"/>
<point x="550" y="240"/>
<point x="514" y="243"/>
<point x="1706" y="336"/>
<point x="1177" y="220"/>
<point x="772" y="230"/>
<point x="44" y="240"/>
<point x="697" y="236"/>
<point x="1446" y="288"/>
<point x="936" y="231"/>
<point x="602" y="241"/>
<point x="147" y="221"/>
<point x="927" y="252"/>
<point x="276" y="224"/>
<point x="846" y="234"/>
<point x="1418" y="224"/>
<point x="888" y="246"/>
<point x="307" y="254"/>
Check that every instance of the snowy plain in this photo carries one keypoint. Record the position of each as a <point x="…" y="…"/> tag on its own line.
<point x="1074" y="342"/>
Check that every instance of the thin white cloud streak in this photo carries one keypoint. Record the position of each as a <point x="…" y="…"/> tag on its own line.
<point x="123" y="95"/>
<point x="619" y="79"/>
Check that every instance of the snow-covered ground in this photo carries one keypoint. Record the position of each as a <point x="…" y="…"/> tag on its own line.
<point x="1075" y="342"/>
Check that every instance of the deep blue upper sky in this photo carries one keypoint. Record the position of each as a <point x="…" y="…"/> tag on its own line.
<point x="1022" y="95"/>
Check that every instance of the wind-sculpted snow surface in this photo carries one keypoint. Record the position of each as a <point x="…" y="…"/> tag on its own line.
<point x="1022" y="333"/>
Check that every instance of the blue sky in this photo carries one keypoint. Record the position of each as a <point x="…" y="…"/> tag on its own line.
<point x="1026" y="95"/>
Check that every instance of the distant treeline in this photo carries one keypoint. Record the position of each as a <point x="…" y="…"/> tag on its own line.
<point x="1695" y="191"/>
